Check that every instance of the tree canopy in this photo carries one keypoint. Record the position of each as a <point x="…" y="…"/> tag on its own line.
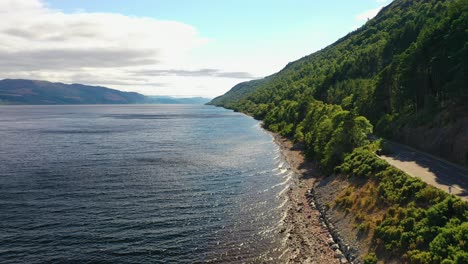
<point x="409" y="61"/>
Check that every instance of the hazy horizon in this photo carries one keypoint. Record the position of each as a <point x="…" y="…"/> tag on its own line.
<point x="173" y="48"/>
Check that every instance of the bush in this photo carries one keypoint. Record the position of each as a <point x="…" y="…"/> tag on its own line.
<point x="370" y="258"/>
<point x="421" y="223"/>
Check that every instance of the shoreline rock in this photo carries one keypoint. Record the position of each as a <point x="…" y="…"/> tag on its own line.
<point x="312" y="237"/>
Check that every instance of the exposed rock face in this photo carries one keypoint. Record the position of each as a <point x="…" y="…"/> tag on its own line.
<point x="449" y="141"/>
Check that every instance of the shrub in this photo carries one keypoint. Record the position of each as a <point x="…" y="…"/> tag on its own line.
<point x="421" y="223"/>
<point x="370" y="258"/>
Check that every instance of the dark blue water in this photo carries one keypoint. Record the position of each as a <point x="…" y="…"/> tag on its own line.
<point x="138" y="184"/>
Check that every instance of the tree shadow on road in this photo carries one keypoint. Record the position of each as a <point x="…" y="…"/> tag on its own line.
<point x="446" y="173"/>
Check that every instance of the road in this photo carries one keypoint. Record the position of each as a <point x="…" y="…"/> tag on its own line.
<point x="433" y="170"/>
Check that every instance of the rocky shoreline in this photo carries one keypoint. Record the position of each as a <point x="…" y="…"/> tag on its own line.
<point x="311" y="234"/>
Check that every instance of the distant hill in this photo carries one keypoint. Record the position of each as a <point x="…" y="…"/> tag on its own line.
<point x="18" y="91"/>
<point x="176" y="100"/>
<point x="237" y="93"/>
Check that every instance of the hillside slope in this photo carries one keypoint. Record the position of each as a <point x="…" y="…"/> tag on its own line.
<point x="18" y="91"/>
<point x="405" y="70"/>
<point x="237" y="93"/>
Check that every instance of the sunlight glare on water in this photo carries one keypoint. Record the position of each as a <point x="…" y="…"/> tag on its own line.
<point x="138" y="183"/>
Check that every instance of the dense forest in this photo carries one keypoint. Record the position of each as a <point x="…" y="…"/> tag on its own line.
<point x="405" y="68"/>
<point x="402" y="75"/>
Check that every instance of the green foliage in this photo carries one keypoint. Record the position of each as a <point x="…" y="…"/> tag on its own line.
<point x="329" y="132"/>
<point x="399" y="69"/>
<point x="421" y="222"/>
<point x="370" y="259"/>
<point x="406" y="64"/>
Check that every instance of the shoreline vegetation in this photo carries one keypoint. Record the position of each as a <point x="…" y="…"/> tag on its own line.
<point x="399" y="76"/>
<point x="403" y="71"/>
<point x="367" y="211"/>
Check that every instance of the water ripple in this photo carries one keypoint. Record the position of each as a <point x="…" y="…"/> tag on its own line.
<point x="138" y="184"/>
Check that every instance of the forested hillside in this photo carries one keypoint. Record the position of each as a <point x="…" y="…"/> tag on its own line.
<point x="403" y="75"/>
<point x="405" y="71"/>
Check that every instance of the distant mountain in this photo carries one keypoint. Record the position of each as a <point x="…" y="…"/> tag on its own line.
<point x="176" y="100"/>
<point x="18" y="91"/>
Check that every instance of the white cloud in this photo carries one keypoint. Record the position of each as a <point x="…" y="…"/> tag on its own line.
<point x="140" y="54"/>
<point x="104" y="49"/>
<point x="369" y="14"/>
<point x="32" y="27"/>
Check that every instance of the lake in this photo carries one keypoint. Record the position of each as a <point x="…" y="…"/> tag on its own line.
<point x="138" y="184"/>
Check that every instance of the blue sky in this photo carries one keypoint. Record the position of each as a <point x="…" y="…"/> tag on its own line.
<point x="246" y="23"/>
<point x="176" y="47"/>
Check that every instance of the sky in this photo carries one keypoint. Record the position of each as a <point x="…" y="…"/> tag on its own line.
<point x="168" y="47"/>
